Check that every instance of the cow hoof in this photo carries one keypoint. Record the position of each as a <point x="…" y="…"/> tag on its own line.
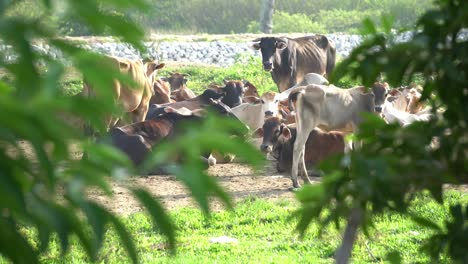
<point x="211" y="161"/>
<point x="294" y="189"/>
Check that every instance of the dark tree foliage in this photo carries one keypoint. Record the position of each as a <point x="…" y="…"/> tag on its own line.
<point x="47" y="193"/>
<point x="396" y="163"/>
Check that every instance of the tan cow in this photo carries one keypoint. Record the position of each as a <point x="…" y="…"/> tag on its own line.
<point x="133" y="100"/>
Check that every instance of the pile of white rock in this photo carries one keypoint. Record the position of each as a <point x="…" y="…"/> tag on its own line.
<point x="218" y="52"/>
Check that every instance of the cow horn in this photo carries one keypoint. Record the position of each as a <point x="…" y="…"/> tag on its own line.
<point x="170" y="73"/>
<point x="257" y="40"/>
<point x="185" y="75"/>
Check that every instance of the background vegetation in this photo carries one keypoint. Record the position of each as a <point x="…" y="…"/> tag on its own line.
<point x="239" y="16"/>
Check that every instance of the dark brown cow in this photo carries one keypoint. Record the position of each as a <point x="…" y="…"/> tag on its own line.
<point x="289" y="59"/>
<point x="137" y="140"/>
<point x="278" y="140"/>
<point x="231" y="95"/>
<point x="180" y="91"/>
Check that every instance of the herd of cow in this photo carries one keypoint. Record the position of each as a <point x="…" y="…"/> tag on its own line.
<point x="304" y="123"/>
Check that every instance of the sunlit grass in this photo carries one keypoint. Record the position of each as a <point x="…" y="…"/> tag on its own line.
<point x="265" y="233"/>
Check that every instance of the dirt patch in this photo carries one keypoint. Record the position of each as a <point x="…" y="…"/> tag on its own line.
<point x="237" y="179"/>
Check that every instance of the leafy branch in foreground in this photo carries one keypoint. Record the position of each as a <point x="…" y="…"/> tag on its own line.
<point x="397" y="162"/>
<point x="48" y="192"/>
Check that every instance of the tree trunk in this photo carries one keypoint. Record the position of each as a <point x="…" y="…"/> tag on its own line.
<point x="266" y="20"/>
<point x="354" y="221"/>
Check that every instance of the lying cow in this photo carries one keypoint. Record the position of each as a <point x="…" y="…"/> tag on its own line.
<point x="278" y="141"/>
<point x="290" y="59"/>
<point x="134" y="100"/>
<point x="161" y="93"/>
<point x="137" y="140"/>
<point x="250" y="93"/>
<point x="180" y="91"/>
<point x="253" y="115"/>
<point x="392" y="115"/>
<point x="329" y="106"/>
<point x="230" y="94"/>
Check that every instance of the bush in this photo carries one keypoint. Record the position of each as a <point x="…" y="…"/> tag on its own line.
<point x="337" y="20"/>
<point x="284" y="22"/>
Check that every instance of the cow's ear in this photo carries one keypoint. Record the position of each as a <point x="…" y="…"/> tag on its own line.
<point x="124" y="65"/>
<point x="286" y="133"/>
<point x="160" y="66"/>
<point x="255" y="46"/>
<point x="258" y="133"/>
<point x="281" y="45"/>
<point x="164" y="79"/>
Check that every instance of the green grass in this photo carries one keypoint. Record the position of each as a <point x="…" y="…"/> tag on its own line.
<point x="265" y="231"/>
<point x="246" y="68"/>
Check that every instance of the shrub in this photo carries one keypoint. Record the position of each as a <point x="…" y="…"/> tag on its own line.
<point x="337" y="20"/>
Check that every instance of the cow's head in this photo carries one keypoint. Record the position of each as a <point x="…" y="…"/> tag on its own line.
<point x="250" y="92"/>
<point x="176" y="80"/>
<point x="380" y="92"/>
<point x="268" y="47"/>
<point x="270" y="104"/>
<point x="151" y="66"/>
<point x="233" y="92"/>
<point x="271" y="131"/>
<point x="161" y="93"/>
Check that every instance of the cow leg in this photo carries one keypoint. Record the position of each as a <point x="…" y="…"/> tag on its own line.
<point x="303" y="169"/>
<point x="298" y="159"/>
<point x="139" y="114"/>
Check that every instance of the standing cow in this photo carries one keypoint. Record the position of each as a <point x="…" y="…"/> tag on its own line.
<point x="133" y="99"/>
<point x="290" y="59"/>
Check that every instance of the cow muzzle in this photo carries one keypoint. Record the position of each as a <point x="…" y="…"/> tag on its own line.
<point x="378" y="109"/>
<point x="267" y="66"/>
<point x="265" y="148"/>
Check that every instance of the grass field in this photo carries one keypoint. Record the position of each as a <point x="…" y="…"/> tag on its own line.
<point x="246" y="68"/>
<point x="265" y="234"/>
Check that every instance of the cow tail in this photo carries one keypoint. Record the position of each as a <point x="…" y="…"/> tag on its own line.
<point x="331" y="57"/>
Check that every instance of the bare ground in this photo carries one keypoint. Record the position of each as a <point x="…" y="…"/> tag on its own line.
<point x="237" y="179"/>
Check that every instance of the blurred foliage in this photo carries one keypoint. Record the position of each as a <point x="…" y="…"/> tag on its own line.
<point x="238" y="16"/>
<point x="284" y="22"/>
<point x="43" y="185"/>
<point x="396" y="163"/>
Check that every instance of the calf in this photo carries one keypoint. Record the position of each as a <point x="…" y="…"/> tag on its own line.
<point x="250" y="93"/>
<point x="278" y="141"/>
<point x="321" y="105"/>
<point x="180" y="91"/>
<point x="253" y="115"/>
<point x="162" y="93"/>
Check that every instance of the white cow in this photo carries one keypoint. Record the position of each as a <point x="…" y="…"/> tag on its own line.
<point x="253" y="115"/>
<point x="324" y="105"/>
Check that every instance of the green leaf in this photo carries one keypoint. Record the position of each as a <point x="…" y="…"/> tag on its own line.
<point x="394" y="257"/>
<point x="125" y="236"/>
<point x="13" y="245"/>
<point x="158" y="214"/>
<point x="368" y="27"/>
<point x="425" y="222"/>
<point x="387" y="23"/>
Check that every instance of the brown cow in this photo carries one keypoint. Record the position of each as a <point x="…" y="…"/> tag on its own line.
<point x="278" y="140"/>
<point x="180" y="91"/>
<point x="138" y="139"/>
<point x="133" y="100"/>
<point x="162" y="93"/>
<point x="250" y="93"/>
<point x="290" y="59"/>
